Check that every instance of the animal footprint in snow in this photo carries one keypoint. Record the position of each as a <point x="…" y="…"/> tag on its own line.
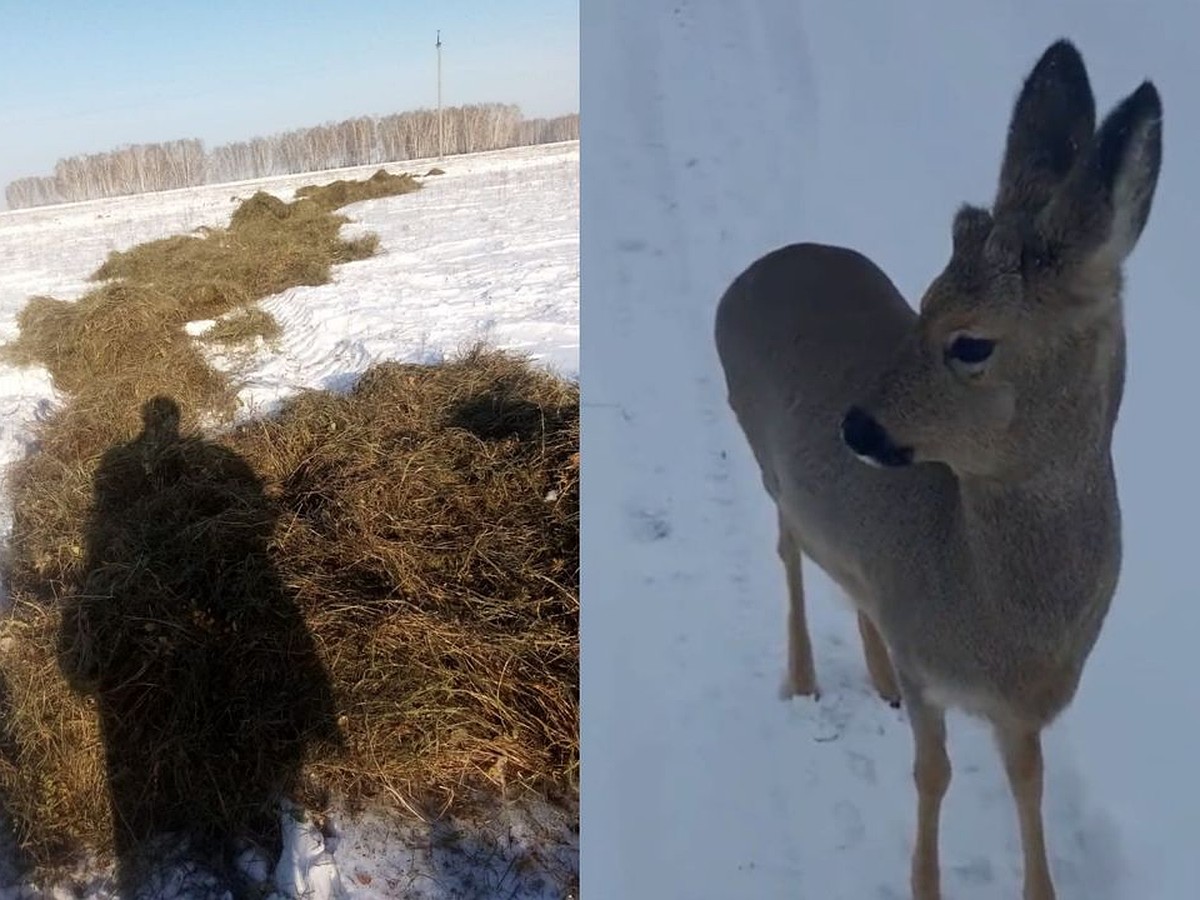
<point x="977" y="871"/>
<point x="650" y="525"/>
<point x="862" y="766"/>
<point x="849" y="824"/>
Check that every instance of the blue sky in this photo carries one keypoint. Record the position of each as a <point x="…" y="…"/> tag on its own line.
<point x="83" y="77"/>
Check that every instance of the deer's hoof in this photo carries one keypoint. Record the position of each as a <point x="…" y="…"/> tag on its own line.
<point x="798" y="687"/>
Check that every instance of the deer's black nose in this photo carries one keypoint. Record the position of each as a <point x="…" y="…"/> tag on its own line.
<point x="870" y="441"/>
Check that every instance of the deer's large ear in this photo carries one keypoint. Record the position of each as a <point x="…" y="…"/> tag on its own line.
<point x="1098" y="214"/>
<point x="1052" y="122"/>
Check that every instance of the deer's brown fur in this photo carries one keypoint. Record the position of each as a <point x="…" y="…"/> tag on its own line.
<point x="983" y="548"/>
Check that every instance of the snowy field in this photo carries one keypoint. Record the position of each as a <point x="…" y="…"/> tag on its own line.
<point x="488" y="251"/>
<point x="716" y="132"/>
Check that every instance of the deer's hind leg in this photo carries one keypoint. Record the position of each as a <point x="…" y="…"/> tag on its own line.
<point x="879" y="663"/>
<point x="800" y="677"/>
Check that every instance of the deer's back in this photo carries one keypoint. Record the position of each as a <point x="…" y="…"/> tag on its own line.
<point x="801" y="334"/>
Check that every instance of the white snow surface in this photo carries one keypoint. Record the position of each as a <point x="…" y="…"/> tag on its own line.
<point x="714" y="133"/>
<point x="489" y="252"/>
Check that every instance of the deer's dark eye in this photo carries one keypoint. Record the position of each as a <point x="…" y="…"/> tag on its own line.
<point x="972" y="351"/>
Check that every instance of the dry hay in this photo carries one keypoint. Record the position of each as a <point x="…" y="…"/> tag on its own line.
<point x="433" y="541"/>
<point x="368" y="593"/>
<point x="124" y="342"/>
<point x="269" y="246"/>
<point x="342" y="193"/>
<point x="243" y="326"/>
<point x="122" y="331"/>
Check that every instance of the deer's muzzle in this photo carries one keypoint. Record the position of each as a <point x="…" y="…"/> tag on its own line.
<point x="870" y="441"/>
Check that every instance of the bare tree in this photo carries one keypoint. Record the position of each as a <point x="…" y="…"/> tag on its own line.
<point x="365" y="140"/>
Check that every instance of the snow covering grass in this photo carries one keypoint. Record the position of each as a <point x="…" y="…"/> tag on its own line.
<point x="716" y="133"/>
<point x="489" y="251"/>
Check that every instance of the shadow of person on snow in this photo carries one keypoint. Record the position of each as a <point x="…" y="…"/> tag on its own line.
<point x="207" y="683"/>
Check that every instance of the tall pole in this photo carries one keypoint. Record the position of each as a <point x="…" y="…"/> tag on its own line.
<point x="441" y="146"/>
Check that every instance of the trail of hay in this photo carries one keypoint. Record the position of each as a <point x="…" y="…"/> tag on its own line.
<point x="130" y="328"/>
<point x="372" y="594"/>
<point x="124" y="342"/>
<point x="269" y="246"/>
<point x="342" y="193"/>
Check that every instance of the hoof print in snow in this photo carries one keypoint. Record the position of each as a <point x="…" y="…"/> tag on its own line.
<point x="861" y="766"/>
<point x="631" y="245"/>
<point x="977" y="871"/>
<point x="850" y="825"/>
<point x="650" y="526"/>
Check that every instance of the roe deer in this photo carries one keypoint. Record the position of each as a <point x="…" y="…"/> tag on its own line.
<point x="982" y="544"/>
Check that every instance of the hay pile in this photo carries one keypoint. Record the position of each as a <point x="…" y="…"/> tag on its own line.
<point x="172" y="674"/>
<point x="268" y="247"/>
<point x="431" y="538"/>
<point x="380" y="587"/>
<point x="370" y="594"/>
<point x="337" y="194"/>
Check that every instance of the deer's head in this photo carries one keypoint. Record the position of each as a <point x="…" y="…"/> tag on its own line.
<point x="1017" y="356"/>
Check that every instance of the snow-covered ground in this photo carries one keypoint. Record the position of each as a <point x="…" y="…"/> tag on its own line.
<point x="715" y="132"/>
<point x="488" y="251"/>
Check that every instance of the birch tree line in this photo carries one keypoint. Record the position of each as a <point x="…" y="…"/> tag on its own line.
<point x="366" y="140"/>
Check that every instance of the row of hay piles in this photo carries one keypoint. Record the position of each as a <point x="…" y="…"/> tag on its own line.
<point x="131" y="325"/>
<point x="124" y="342"/>
<point x="368" y="593"/>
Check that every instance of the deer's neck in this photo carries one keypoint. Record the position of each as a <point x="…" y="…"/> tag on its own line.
<point x="1055" y="534"/>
